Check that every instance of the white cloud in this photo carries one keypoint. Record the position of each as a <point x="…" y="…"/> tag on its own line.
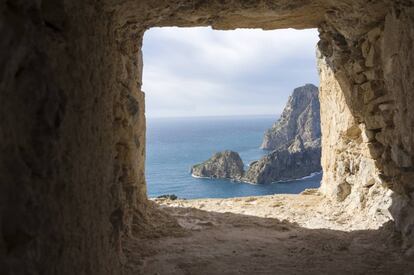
<point x="199" y="71"/>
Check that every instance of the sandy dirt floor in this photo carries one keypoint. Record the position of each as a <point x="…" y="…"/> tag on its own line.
<point x="280" y="234"/>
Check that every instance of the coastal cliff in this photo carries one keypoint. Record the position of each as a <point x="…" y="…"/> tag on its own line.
<point x="295" y="140"/>
<point x="285" y="163"/>
<point x="300" y="118"/>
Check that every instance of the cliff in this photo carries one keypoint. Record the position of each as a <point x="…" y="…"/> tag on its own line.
<point x="224" y="165"/>
<point x="295" y="140"/>
<point x="285" y="163"/>
<point x="300" y="117"/>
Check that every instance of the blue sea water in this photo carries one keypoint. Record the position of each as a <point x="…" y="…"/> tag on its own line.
<point x="175" y="144"/>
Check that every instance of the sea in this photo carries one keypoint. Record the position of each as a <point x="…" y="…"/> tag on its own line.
<point x="175" y="144"/>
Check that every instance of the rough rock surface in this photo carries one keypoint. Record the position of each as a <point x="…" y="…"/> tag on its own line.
<point x="367" y="140"/>
<point x="285" y="163"/>
<point x="295" y="140"/>
<point x="300" y="119"/>
<point x="310" y="209"/>
<point x="222" y="165"/>
<point x="279" y="234"/>
<point x="72" y="125"/>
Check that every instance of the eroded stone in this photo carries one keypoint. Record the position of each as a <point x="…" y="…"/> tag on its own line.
<point x="63" y="182"/>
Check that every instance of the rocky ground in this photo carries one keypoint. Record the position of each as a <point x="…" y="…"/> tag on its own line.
<point x="279" y="234"/>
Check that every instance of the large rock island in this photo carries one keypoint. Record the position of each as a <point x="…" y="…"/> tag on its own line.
<point x="295" y="141"/>
<point x="222" y="165"/>
<point x="300" y="118"/>
<point x="285" y="163"/>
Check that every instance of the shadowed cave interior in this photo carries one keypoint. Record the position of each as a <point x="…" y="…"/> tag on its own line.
<point x="72" y="116"/>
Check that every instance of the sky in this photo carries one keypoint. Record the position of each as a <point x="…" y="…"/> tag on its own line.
<point x="205" y="72"/>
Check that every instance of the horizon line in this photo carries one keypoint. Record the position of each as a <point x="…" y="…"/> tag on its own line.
<point x="207" y="116"/>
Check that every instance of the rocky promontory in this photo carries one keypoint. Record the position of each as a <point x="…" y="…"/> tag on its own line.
<point x="285" y="163"/>
<point x="300" y="118"/>
<point x="222" y="165"/>
<point x="295" y="141"/>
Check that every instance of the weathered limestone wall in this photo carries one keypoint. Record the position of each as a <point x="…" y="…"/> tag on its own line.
<point x="72" y="135"/>
<point x="350" y="174"/>
<point x="397" y="61"/>
<point x="368" y="147"/>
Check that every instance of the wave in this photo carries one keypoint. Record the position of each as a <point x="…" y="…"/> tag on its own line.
<point x="311" y="175"/>
<point x="200" y="177"/>
<point x="211" y="178"/>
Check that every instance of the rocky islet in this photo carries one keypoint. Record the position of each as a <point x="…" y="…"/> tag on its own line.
<point x="294" y="138"/>
<point x="224" y="165"/>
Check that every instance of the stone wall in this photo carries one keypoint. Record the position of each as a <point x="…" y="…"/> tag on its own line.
<point x="397" y="59"/>
<point x="368" y="141"/>
<point x="72" y="118"/>
<point x="350" y="175"/>
<point x="72" y="132"/>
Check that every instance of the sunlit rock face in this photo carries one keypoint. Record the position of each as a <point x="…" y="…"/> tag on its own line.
<point x="294" y="141"/>
<point x="300" y="120"/>
<point x="350" y="174"/>
<point x="285" y="163"/>
<point x="72" y="117"/>
<point x="367" y="149"/>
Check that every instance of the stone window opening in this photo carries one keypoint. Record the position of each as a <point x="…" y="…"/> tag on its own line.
<point x="72" y="136"/>
<point x="247" y="64"/>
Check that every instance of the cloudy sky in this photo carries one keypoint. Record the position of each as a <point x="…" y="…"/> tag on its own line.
<point x="204" y="72"/>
